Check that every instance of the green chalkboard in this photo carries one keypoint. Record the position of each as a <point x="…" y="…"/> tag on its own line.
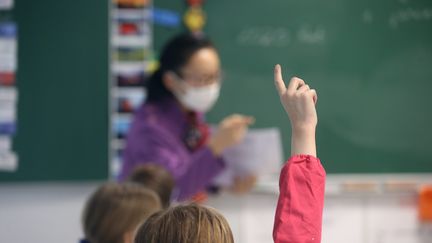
<point x="62" y="80"/>
<point x="371" y="62"/>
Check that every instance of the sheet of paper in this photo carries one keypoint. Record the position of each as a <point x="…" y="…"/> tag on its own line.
<point x="5" y="143"/>
<point x="8" y="94"/>
<point x="260" y="153"/>
<point x="6" y="4"/>
<point x="8" y="161"/>
<point x="8" y="46"/>
<point x="7" y="111"/>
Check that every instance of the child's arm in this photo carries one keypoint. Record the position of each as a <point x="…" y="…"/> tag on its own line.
<point x="299" y="211"/>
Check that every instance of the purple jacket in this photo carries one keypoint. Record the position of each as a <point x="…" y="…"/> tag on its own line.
<point x="156" y="136"/>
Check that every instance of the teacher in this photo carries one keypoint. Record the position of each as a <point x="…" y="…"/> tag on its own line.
<point x="169" y="129"/>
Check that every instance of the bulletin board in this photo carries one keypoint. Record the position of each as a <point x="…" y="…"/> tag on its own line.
<point x="62" y="80"/>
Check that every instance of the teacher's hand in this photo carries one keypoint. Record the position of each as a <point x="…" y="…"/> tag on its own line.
<point x="231" y="131"/>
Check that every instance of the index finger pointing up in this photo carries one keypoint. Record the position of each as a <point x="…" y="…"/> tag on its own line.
<point x="279" y="83"/>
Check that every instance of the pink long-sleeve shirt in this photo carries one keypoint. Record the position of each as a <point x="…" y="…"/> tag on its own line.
<point x="300" y="205"/>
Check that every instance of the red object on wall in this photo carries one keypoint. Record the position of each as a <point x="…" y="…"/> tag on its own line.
<point x="195" y="2"/>
<point x="7" y="78"/>
<point x="128" y="29"/>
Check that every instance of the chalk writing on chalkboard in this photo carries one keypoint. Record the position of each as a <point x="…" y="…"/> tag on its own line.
<point x="397" y="18"/>
<point x="267" y="36"/>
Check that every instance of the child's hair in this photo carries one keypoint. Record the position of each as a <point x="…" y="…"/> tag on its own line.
<point x="156" y="178"/>
<point x="190" y="223"/>
<point x="114" y="210"/>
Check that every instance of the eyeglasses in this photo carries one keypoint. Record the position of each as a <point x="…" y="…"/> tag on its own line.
<point x="202" y="80"/>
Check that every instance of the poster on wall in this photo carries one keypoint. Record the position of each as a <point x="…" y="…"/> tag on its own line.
<point x="8" y="94"/>
<point x="131" y="56"/>
<point x="6" y="4"/>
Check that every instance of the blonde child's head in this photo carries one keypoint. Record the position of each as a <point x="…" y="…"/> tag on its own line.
<point x="114" y="211"/>
<point x="190" y="223"/>
<point x="156" y="178"/>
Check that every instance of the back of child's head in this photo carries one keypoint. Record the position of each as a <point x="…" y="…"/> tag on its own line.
<point x="190" y="223"/>
<point x="156" y="178"/>
<point x="115" y="210"/>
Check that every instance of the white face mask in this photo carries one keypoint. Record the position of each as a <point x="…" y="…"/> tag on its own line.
<point x="200" y="99"/>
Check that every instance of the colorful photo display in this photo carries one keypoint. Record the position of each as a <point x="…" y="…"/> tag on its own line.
<point x="127" y="27"/>
<point x="8" y="95"/>
<point x="116" y="162"/>
<point x="133" y="78"/>
<point x="131" y="54"/>
<point x="121" y="126"/>
<point x="132" y="3"/>
<point x="128" y="99"/>
<point x="131" y="65"/>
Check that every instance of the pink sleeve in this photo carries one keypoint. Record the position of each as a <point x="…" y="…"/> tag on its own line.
<point x="299" y="210"/>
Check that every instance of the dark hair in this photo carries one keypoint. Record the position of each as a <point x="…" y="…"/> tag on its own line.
<point x="156" y="178"/>
<point x="115" y="209"/>
<point x="175" y="54"/>
<point x="185" y="224"/>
